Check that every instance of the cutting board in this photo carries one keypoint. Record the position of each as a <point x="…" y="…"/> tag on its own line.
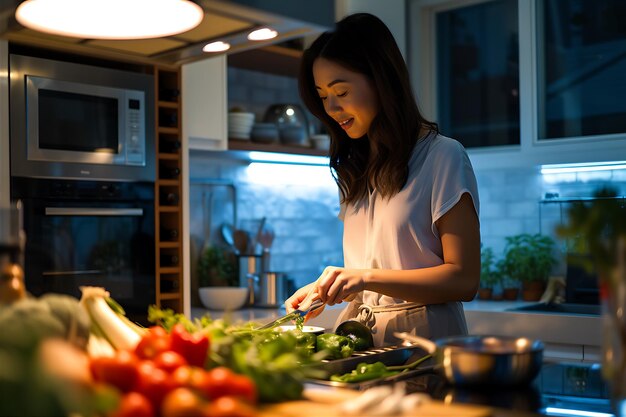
<point x="326" y="402"/>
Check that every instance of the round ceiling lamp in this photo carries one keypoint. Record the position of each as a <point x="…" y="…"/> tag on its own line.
<point x="110" y="19"/>
<point x="217" y="46"/>
<point x="262" y="34"/>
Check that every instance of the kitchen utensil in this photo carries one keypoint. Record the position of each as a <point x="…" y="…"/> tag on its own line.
<point x="240" y="238"/>
<point x="291" y="316"/>
<point x="484" y="360"/>
<point x="228" y="236"/>
<point x="271" y="289"/>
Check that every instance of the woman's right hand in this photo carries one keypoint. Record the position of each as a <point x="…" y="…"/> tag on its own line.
<point x="302" y="299"/>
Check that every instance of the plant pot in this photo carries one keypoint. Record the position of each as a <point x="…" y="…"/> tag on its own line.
<point x="485" y="293"/>
<point x="533" y="290"/>
<point x="510" y="294"/>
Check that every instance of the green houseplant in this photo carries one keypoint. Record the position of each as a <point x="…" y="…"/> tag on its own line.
<point x="596" y="231"/>
<point x="528" y="259"/>
<point x="489" y="274"/>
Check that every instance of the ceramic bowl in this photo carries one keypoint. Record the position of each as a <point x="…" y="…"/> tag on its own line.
<point x="223" y="298"/>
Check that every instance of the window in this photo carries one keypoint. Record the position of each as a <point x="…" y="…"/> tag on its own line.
<point x="542" y="81"/>
<point x="581" y="68"/>
<point x="478" y="73"/>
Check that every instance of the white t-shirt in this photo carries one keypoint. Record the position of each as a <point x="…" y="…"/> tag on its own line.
<point x="400" y="232"/>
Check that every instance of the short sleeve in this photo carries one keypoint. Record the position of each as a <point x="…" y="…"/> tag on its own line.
<point x="453" y="176"/>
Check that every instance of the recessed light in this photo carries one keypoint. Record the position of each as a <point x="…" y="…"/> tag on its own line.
<point x="217" y="46"/>
<point x="262" y="34"/>
<point x="110" y="19"/>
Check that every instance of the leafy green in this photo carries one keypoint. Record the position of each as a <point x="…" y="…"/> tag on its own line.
<point x="368" y="371"/>
<point x="335" y="346"/>
<point x="276" y="360"/>
<point x="594" y="228"/>
<point x="528" y="257"/>
<point x="217" y="267"/>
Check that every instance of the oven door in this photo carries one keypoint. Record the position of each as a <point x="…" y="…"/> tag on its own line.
<point x="107" y="244"/>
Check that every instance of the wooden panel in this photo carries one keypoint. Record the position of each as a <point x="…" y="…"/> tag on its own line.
<point x="212" y="26"/>
<point x="145" y="47"/>
<point x="269" y="59"/>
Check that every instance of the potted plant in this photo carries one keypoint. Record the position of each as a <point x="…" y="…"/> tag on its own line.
<point x="528" y="259"/>
<point x="218" y="281"/>
<point x="489" y="274"/>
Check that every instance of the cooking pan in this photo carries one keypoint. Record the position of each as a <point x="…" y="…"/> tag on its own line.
<point x="483" y="360"/>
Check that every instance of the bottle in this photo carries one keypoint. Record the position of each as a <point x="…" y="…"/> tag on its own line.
<point x="169" y="119"/>
<point x="169" y="198"/>
<point x="168" y="234"/>
<point x="168" y="171"/>
<point x="169" y="146"/>
<point x="169" y="260"/>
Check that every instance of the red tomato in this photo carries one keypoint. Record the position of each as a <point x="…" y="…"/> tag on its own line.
<point x="153" y="382"/>
<point x="169" y="361"/>
<point x="222" y="382"/>
<point x="243" y="387"/>
<point x="134" y="404"/>
<point x="152" y="343"/>
<point x="119" y="370"/>
<point x="218" y="382"/>
<point x="229" y="407"/>
<point x="192" y="346"/>
<point x="183" y="402"/>
<point x="190" y="377"/>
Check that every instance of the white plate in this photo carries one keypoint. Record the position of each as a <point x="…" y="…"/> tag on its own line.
<point x="305" y="329"/>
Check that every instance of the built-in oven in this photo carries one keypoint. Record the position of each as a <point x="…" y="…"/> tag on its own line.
<point x="90" y="233"/>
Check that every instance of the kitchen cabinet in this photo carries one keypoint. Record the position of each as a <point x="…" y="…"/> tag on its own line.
<point x="204" y="100"/>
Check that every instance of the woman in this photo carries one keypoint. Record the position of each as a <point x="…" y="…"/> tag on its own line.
<point x="409" y="198"/>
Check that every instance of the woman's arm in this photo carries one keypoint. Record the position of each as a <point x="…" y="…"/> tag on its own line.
<point x="456" y="279"/>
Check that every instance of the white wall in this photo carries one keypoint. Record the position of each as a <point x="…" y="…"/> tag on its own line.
<point x="392" y="12"/>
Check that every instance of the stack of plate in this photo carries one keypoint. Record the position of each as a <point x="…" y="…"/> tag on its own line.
<point x="240" y="125"/>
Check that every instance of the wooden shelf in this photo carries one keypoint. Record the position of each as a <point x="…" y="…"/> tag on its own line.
<point x="169" y="216"/>
<point x="270" y="59"/>
<point x="169" y="130"/>
<point x="246" y="145"/>
<point x="170" y="296"/>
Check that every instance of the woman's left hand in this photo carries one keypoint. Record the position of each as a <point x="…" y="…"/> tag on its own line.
<point x="340" y="284"/>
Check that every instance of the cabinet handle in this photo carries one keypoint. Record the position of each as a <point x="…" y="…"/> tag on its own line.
<point x="86" y="211"/>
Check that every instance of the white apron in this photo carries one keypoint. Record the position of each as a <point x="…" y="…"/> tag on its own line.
<point x="400" y="233"/>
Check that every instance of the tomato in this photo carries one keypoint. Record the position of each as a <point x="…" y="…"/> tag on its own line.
<point x="153" y="382"/>
<point x="190" y="377"/>
<point x="183" y="402"/>
<point x="169" y="361"/>
<point x="192" y="346"/>
<point x="155" y="341"/>
<point x="134" y="404"/>
<point x="243" y="387"/>
<point x="119" y="370"/>
<point x="222" y="382"/>
<point x="229" y="407"/>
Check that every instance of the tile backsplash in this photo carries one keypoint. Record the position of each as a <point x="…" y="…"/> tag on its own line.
<point x="302" y="206"/>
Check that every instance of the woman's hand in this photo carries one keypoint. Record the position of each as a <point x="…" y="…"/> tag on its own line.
<point x="340" y="284"/>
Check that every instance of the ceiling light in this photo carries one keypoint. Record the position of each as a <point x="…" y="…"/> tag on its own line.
<point x="262" y="34"/>
<point x="110" y="19"/>
<point x="217" y="46"/>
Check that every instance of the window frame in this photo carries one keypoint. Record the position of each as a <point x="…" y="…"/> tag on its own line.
<point x="422" y="62"/>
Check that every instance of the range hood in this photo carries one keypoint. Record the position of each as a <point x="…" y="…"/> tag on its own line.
<point x="224" y="20"/>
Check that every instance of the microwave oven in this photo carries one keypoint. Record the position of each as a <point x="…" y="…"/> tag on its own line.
<point x="76" y="121"/>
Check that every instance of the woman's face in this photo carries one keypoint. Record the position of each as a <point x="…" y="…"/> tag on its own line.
<point x="348" y="96"/>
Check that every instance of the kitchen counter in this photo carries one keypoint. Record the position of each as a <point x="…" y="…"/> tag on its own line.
<point x="571" y="337"/>
<point x="570" y="378"/>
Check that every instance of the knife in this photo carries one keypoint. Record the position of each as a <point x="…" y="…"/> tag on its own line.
<point x="292" y="316"/>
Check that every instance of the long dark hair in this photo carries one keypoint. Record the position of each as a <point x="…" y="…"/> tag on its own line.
<point x="362" y="43"/>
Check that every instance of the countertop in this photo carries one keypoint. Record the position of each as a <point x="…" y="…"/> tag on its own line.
<point x="570" y="378"/>
<point x="573" y="337"/>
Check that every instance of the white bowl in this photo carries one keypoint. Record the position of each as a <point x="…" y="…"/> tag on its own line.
<point x="305" y="329"/>
<point x="223" y="298"/>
